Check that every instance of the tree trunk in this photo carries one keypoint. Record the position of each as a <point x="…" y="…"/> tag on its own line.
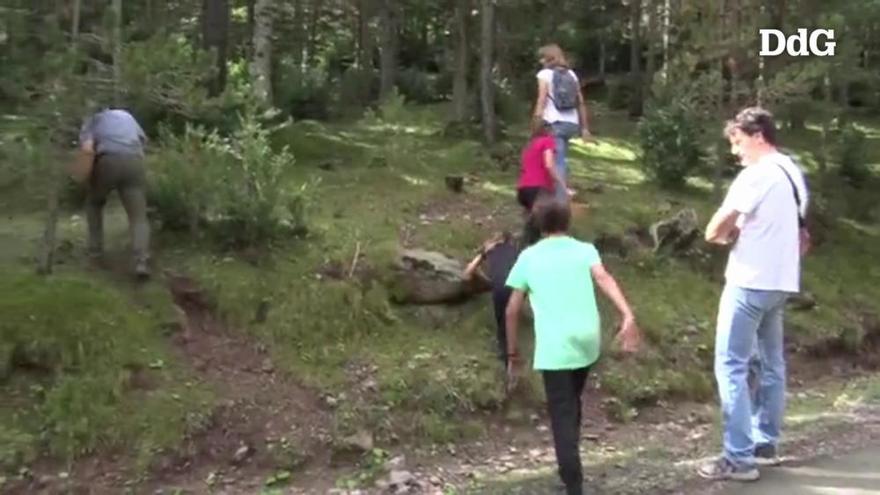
<point x="487" y="88"/>
<point x="651" y="62"/>
<point x="117" y="51"/>
<point x="261" y="68"/>
<point x="364" y="38"/>
<point x="46" y="257"/>
<point x="312" y="33"/>
<point x="388" y="46"/>
<point x="667" y="14"/>
<point x="636" y="103"/>
<point x="215" y="38"/>
<point x="462" y="59"/>
<point x="251" y="23"/>
<point x="760" y="82"/>
<point x="824" y="152"/>
<point x="720" y="95"/>
<point x="74" y="24"/>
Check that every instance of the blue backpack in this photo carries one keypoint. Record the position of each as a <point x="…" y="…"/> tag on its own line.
<point x="565" y="89"/>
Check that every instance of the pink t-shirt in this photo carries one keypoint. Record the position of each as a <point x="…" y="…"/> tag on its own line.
<point x="533" y="172"/>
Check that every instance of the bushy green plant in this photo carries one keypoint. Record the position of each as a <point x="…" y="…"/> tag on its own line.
<point x="186" y="170"/>
<point x="357" y="88"/>
<point x="231" y="186"/>
<point x="852" y="156"/>
<point x="163" y="80"/>
<point x="304" y="93"/>
<point x="670" y="139"/>
<point x="620" y="92"/>
<point x="253" y="204"/>
<point x="417" y="86"/>
<point x="16" y="447"/>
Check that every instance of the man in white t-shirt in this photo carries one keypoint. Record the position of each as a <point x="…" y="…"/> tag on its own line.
<point x="760" y="219"/>
<point x="567" y="122"/>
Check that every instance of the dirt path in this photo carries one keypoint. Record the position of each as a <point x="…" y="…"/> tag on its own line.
<point x="857" y="473"/>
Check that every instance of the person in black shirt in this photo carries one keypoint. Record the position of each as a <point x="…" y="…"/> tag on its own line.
<point x="500" y="254"/>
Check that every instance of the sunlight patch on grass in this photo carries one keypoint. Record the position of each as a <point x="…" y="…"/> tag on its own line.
<point x="871" y="132"/>
<point x="399" y="128"/>
<point x="415" y="181"/>
<point x="498" y="188"/>
<point x="611" y="149"/>
<point x="701" y="183"/>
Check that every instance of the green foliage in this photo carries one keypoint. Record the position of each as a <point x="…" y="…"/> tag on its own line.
<point x="418" y="86"/>
<point x="671" y="144"/>
<point x="164" y="80"/>
<point x="304" y="93"/>
<point x="254" y="206"/>
<point x="85" y="341"/>
<point x="16" y="447"/>
<point x="371" y="468"/>
<point x="852" y="155"/>
<point x="620" y="92"/>
<point x="357" y="88"/>
<point x="232" y="186"/>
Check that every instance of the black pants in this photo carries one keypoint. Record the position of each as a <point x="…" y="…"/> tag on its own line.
<point x="563" y="389"/>
<point x="500" y="296"/>
<point x="526" y="196"/>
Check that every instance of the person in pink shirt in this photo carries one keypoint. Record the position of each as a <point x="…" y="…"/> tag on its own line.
<point x="538" y="173"/>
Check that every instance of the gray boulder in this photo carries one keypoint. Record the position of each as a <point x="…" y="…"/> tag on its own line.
<point x="429" y="277"/>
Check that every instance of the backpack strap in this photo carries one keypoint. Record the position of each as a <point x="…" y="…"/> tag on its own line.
<point x="797" y="197"/>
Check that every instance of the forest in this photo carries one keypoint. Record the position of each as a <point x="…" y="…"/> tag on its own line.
<point x="318" y="173"/>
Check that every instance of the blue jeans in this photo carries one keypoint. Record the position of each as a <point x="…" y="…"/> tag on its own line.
<point x="750" y="320"/>
<point x="562" y="133"/>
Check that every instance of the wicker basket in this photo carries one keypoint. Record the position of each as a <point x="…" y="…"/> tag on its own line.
<point x="81" y="165"/>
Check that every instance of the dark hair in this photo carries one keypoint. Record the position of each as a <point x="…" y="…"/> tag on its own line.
<point x="551" y="214"/>
<point x="751" y="121"/>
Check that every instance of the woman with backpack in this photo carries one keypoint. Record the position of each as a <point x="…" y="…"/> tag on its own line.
<point x="561" y="105"/>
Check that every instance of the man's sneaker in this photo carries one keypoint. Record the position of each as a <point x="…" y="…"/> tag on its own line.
<point x="766" y="455"/>
<point x="722" y="469"/>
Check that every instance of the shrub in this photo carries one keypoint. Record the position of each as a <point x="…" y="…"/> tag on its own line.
<point x="304" y="93"/>
<point x="233" y="187"/>
<point x="417" y="86"/>
<point x="357" y="89"/>
<point x="852" y="156"/>
<point x="163" y="79"/>
<point x="670" y="139"/>
<point x="620" y="93"/>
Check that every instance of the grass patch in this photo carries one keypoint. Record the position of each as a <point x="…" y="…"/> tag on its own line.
<point x="377" y="183"/>
<point x="86" y="370"/>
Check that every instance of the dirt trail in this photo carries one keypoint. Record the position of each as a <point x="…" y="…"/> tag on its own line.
<point x="265" y="419"/>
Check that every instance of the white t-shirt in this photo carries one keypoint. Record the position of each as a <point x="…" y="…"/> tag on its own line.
<point x="766" y="255"/>
<point x="551" y="114"/>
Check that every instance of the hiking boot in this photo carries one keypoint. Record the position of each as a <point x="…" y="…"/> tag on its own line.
<point x="766" y="455"/>
<point x="723" y="469"/>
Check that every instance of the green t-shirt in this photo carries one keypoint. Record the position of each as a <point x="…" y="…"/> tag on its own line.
<point x="555" y="273"/>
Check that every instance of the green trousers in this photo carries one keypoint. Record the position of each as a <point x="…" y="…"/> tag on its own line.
<point x="125" y="174"/>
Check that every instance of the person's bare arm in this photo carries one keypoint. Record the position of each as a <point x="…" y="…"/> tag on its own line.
<point x="472" y="270"/>
<point x="629" y="334"/>
<point x="609" y="287"/>
<point x="541" y="102"/>
<point x="511" y="315"/>
<point x="550" y="165"/>
<point x="722" y="227"/>
<point x="584" y="116"/>
<point x="88" y="145"/>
